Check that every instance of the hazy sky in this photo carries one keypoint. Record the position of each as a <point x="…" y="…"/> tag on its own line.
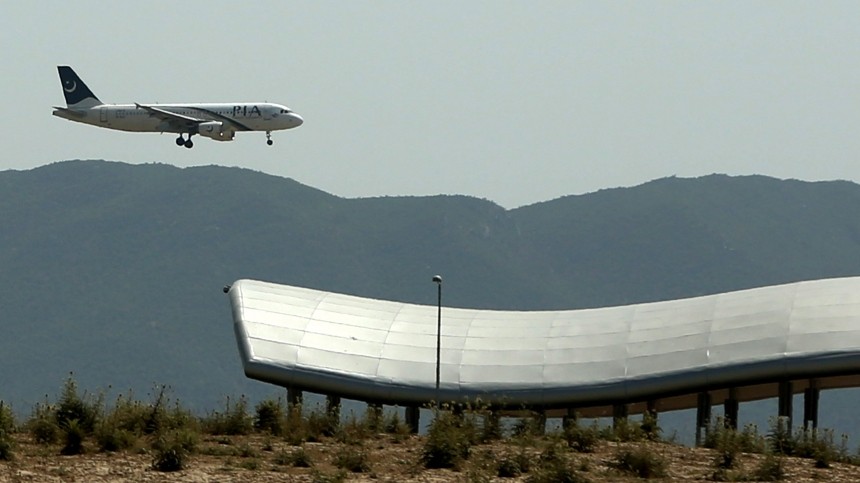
<point x="516" y="102"/>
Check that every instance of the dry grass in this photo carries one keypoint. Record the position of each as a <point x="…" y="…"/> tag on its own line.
<point x="389" y="458"/>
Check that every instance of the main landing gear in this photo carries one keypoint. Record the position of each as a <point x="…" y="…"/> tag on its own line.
<point x="269" y="138"/>
<point x="181" y="141"/>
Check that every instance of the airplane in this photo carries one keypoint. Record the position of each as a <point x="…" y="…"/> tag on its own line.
<point x="215" y="121"/>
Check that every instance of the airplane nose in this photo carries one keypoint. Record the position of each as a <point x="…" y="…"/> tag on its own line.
<point x="297" y="120"/>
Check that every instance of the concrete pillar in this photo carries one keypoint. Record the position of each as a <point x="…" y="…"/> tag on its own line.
<point x="810" y="405"/>
<point x="703" y="415"/>
<point x="785" y="396"/>
<point x="294" y="396"/>
<point x="619" y="412"/>
<point x="413" y="416"/>
<point x="730" y="408"/>
<point x="569" y="419"/>
<point x="540" y="421"/>
<point x="651" y="407"/>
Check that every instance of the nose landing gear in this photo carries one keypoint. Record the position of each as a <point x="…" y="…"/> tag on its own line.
<point x="269" y="138"/>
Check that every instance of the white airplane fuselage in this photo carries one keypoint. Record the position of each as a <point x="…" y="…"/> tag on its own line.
<point x="130" y="117"/>
<point x="218" y="121"/>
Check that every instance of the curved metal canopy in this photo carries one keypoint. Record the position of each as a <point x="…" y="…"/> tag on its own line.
<point x="385" y="351"/>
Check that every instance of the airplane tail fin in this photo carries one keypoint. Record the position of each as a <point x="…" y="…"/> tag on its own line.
<point x="78" y="95"/>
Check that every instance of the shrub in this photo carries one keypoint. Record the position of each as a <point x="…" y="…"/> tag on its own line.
<point x="7" y="418"/>
<point x="771" y="468"/>
<point x="73" y="437"/>
<point x="396" y="426"/>
<point x="320" y="424"/>
<point x="641" y="462"/>
<point x="354" y="431"/>
<point x="352" y="458"/>
<point x="779" y="438"/>
<point x="513" y="465"/>
<point x="554" y="467"/>
<point x="298" y="458"/>
<point x="110" y="437"/>
<point x="170" y="452"/>
<point x="6" y="446"/>
<point x="581" y="439"/>
<point x="42" y="425"/>
<point x="234" y="420"/>
<point x="448" y="442"/>
<point x="72" y="407"/>
<point x="269" y="416"/>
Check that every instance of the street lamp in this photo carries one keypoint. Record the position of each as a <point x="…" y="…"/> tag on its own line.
<point x="438" y="280"/>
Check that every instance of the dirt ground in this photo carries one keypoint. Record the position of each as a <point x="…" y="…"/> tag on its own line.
<point x="259" y="458"/>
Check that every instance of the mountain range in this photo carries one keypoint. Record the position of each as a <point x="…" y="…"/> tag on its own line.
<point x="114" y="271"/>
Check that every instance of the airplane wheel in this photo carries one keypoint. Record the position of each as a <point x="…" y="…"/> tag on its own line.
<point x="180" y="141"/>
<point x="189" y="144"/>
<point x="269" y="142"/>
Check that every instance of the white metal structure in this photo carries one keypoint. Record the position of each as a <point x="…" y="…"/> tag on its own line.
<point x="216" y="121"/>
<point x="385" y="351"/>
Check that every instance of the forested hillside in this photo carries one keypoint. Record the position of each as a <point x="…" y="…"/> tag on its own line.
<point x="115" y="271"/>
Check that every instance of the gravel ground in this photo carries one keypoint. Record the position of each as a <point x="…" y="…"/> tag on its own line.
<point x="390" y="459"/>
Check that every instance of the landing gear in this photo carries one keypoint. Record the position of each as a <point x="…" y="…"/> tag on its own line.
<point x="269" y="138"/>
<point x="181" y="141"/>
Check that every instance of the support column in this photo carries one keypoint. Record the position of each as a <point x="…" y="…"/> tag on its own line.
<point x="810" y="405"/>
<point x="703" y="415"/>
<point x="294" y="396"/>
<point x="413" y="416"/>
<point x="730" y="408"/>
<point x="619" y="412"/>
<point x="540" y="421"/>
<point x="569" y="419"/>
<point x="651" y="408"/>
<point x="785" y="396"/>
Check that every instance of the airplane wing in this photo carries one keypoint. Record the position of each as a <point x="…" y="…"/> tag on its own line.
<point x="174" y="119"/>
<point x="187" y="122"/>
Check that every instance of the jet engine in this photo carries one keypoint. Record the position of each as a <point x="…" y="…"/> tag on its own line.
<point x="216" y="130"/>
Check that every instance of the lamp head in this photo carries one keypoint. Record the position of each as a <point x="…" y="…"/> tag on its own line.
<point x="437" y="278"/>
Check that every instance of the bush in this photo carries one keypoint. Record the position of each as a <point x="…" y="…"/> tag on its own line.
<point x="581" y="439"/>
<point x="779" y="437"/>
<point x="72" y="407"/>
<point x="298" y="458"/>
<point x="170" y="452"/>
<point x="7" y="446"/>
<point x="269" y="416"/>
<point x="448" y="442"/>
<point x="235" y="419"/>
<point x="554" y="467"/>
<point x="771" y="468"/>
<point x="513" y="465"/>
<point x="110" y="437"/>
<point x="641" y="462"/>
<point x="42" y="425"/>
<point x="7" y="418"/>
<point x="352" y="458"/>
<point x="73" y="437"/>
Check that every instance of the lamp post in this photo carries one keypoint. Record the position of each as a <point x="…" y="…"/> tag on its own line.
<point x="438" y="280"/>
